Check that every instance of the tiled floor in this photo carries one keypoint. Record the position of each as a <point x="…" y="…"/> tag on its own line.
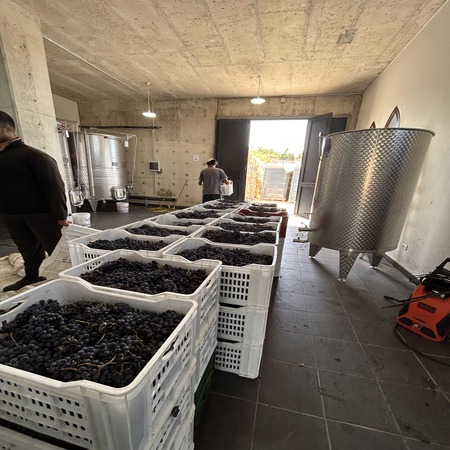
<point x="334" y="375"/>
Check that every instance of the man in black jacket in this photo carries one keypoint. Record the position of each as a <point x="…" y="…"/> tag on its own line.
<point x="32" y="200"/>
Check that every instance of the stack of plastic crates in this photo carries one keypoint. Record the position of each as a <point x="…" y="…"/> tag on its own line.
<point x="60" y="258"/>
<point x="154" y="412"/>
<point x="206" y="295"/>
<point x="244" y="298"/>
<point x="80" y="251"/>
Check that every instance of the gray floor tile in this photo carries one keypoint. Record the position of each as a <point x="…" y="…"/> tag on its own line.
<point x="397" y="365"/>
<point x="288" y="286"/>
<point x="344" y="436"/>
<point x="227" y="383"/>
<point x="289" y="346"/>
<point x="331" y="326"/>
<point x="418" y="445"/>
<point x="364" y="311"/>
<point x="226" y="423"/>
<point x="276" y="429"/>
<point x="341" y="356"/>
<point x="376" y="333"/>
<point x="355" y="400"/>
<point x="439" y="372"/>
<point x="324" y="305"/>
<point x="290" y="300"/>
<point x="421" y="413"/>
<point x="288" y="320"/>
<point x="318" y="289"/>
<point x="290" y="386"/>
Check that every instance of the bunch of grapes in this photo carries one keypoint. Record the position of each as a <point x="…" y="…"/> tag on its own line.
<point x="236" y="237"/>
<point x="155" y="231"/>
<point x="126" y="243"/>
<point x="102" y="342"/>
<point x="229" y="256"/>
<point x="147" y="278"/>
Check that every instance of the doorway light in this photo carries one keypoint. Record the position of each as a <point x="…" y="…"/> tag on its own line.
<point x="149" y="112"/>
<point x="258" y="100"/>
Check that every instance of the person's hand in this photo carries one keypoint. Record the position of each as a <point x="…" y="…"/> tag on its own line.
<point x="64" y="223"/>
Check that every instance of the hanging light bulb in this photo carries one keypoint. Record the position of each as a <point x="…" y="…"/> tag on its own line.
<point x="258" y="100"/>
<point x="149" y="112"/>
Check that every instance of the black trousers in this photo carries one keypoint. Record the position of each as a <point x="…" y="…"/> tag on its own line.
<point x="34" y="234"/>
<point x="209" y="197"/>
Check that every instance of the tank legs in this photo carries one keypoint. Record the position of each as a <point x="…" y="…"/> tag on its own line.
<point x="93" y="204"/>
<point x="375" y="259"/>
<point x="314" y="249"/>
<point x="346" y="261"/>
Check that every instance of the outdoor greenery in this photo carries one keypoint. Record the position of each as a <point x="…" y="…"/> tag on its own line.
<point x="257" y="160"/>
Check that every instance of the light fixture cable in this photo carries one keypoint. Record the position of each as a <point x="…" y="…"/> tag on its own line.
<point x="149" y="112"/>
<point x="258" y="100"/>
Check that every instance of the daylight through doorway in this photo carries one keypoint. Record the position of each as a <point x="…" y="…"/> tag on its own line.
<point x="274" y="159"/>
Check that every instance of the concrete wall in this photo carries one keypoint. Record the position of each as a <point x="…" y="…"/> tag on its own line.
<point x="188" y="128"/>
<point x="417" y="82"/>
<point x="25" y="75"/>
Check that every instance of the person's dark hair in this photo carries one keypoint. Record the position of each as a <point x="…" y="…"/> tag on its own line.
<point x="6" y="119"/>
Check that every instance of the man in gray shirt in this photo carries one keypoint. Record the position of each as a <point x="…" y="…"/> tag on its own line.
<point x="211" y="178"/>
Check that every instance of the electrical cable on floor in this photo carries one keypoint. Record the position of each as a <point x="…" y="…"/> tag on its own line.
<point x="400" y="337"/>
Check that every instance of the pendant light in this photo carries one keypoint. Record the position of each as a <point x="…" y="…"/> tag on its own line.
<point x="258" y="100"/>
<point x="149" y="112"/>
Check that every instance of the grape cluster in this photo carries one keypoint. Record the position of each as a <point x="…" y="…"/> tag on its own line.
<point x="236" y="237"/>
<point x="195" y="214"/>
<point x="155" y="231"/>
<point x="127" y="243"/>
<point x="216" y="206"/>
<point x="251" y="219"/>
<point x="253" y="228"/>
<point x="263" y="209"/>
<point x="148" y="278"/>
<point x="102" y="342"/>
<point x="230" y="257"/>
<point x="265" y="205"/>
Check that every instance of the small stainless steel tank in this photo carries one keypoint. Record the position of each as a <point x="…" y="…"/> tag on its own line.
<point x="102" y="167"/>
<point x="364" y="186"/>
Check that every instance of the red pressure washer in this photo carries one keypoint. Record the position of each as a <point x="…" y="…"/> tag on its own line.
<point x="427" y="311"/>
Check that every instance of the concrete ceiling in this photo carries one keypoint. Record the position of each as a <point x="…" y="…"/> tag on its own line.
<point x="111" y="49"/>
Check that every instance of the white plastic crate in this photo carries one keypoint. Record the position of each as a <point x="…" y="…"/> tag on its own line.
<point x="249" y="285"/>
<point x="80" y="252"/>
<point x="205" y="348"/>
<point x="201" y="233"/>
<point x="13" y="440"/>
<point x="233" y="216"/>
<point x="242" y="359"/>
<point x="227" y="189"/>
<point x="60" y="258"/>
<point x="219" y="211"/>
<point x="180" y="415"/>
<point x="189" y="230"/>
<point x="183" y="437"/>
<point x="206" y="295"/>
<point x="92" y="415"/>
<point x="242" y="324"/>
<point x="171" y="219"/>
<point x="271" y="226"/>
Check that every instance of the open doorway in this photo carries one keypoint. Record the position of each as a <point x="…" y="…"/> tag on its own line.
<point x="274" y="160"/>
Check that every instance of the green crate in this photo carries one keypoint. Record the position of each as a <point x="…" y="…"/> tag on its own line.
<point x="201" y="394"/>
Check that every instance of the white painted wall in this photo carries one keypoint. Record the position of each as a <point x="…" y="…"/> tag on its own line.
<point x="418" y="83"/>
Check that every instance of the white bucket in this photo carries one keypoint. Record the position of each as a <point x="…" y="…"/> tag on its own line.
<point x="83" y="219"/>
<point x="122" y="207"/>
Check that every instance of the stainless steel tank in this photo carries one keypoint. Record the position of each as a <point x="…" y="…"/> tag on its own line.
<point x="364" y="186"/>
<point x="67" y="166"/>
<point x="102" y="167"/>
